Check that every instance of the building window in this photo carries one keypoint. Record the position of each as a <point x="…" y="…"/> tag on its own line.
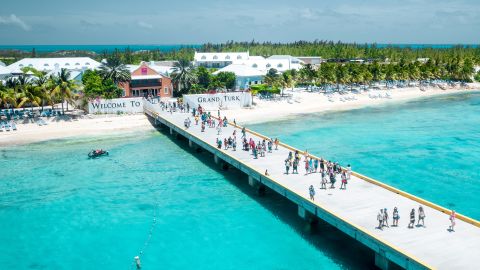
<point x="215" y="57"/>
<point x="227" y="57"/>
<point x="77" y="64"/>
<point x="279" y="65"/>
<point x="204" y="57"/>
<point x="87" y="64"/>
<point x="254" y="65"/>
<point x="239" y="56"/>
<point x="165" y="91"/>
<point x="21" y="65"/>
<point x="268" y="65"/>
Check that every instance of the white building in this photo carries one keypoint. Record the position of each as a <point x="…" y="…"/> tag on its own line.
<point x="4" y="72"/>
<point x="49" y="64"/>
<point x="245" y="75"/>
<point x="218" y="60"/>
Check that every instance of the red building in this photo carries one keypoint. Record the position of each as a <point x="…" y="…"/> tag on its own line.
<point x="146" y="81"/>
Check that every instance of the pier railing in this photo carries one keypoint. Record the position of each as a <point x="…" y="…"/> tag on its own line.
<point x="262" y="179"/>
<point x="376" y="182"/>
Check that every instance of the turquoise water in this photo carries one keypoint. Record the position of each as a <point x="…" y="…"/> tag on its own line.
<point x="59" y="210"/>
<point x="428" y="147"/>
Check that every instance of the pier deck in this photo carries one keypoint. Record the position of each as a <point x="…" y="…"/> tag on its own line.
<point x="353" y="210"/>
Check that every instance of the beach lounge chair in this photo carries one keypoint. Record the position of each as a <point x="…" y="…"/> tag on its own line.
<point x="7" y="126"/>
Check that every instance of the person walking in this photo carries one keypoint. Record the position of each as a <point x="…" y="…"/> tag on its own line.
<point x="332" y="180"/>
<point x="315" y="164"/>
<point x="452" y="221"/>
<point x="306" y="166"/>
<point x="396" y="217"/>
<point x="312" y="193"/>
<point x="324" y="180"/>
<point x="276" y="142"/>
<point x="344" y="181"/>
<point x="412" y="219"/>
<point x="380" y="219"/>
<point x="421" y="216"/>
<point x="295" y="166"/>
<point x="287" y="165"/>
<point x="385" y="218"/>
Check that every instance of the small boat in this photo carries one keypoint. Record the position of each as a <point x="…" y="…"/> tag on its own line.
<point x="97" y="153"/>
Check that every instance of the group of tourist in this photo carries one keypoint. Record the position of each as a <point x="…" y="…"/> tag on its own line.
<point x="383" y="217"/>
<point x="328" y="170"/>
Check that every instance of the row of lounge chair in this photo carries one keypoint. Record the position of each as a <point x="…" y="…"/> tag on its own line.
<point x="8" y="126"/>
<point x="17" y="114"/>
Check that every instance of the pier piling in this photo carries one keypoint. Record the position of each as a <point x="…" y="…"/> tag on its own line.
<point x="381" y="260"/>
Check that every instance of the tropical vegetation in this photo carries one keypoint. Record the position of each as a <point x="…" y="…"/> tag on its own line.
<point x="25" y="91"/>
<point x="403" y="72"/>
<point x="38" y="89"/>
<point x="188" y="79"/>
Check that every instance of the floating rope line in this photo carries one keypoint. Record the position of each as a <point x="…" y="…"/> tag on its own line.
<point x="136" y="263"/>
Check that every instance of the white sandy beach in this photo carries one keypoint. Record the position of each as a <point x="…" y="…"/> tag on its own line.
<point x="311" y="102"/>
<point x="301" y="102"/>
<point x="96" y="125"/>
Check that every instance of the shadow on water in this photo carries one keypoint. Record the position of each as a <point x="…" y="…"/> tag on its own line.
<point x="344" y="250"/>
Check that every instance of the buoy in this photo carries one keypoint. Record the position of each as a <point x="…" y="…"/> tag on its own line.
<point x="137" y="262"/>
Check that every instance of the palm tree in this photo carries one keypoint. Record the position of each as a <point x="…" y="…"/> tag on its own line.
<point x="286" y="80"/>
<point x="183" y="75"/>
<point x="42" y="84"/>
<point x="29" y="95"/>
<point x="272" y="78"/>
<point x="342" y="76"/>
<point x="115" y="70"/>
<point x="63" y="87"/>
<point x="4" y="96"/>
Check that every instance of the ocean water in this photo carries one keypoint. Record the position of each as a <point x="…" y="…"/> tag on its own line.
<point x="168" y="47"/>
<point x="60" y="210"/>
<point x="97" y="48"/>
<point x="428" y="147"/>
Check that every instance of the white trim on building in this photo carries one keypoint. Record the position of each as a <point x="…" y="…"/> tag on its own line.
<point x="49" y="64"/>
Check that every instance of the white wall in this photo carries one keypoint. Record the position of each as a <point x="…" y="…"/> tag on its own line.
<point x="232" y="100"/>
<point x="113" y="106"/>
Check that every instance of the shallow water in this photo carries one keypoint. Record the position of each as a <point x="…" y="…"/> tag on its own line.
<point x="59" y="210"/>
<point x="428" y="147"/>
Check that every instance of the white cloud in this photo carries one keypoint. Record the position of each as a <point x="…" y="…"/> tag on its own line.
<point x="144" y="25"/>
<point x="14" y="20"/>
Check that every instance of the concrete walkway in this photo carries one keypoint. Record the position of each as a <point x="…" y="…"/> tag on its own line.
<point x="433" y="245"/>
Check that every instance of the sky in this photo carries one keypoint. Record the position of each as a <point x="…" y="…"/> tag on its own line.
<point x="36" y="22"/>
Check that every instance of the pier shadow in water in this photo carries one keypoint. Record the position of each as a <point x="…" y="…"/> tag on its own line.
<point x="344" y="250"/>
